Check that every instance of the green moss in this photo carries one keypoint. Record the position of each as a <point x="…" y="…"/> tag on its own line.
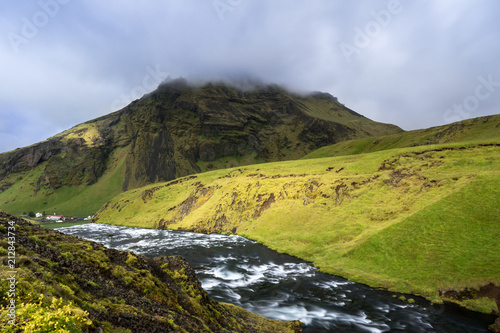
<point x="67" y="255"/>
<point x="131" y="260"/>
<point x="51" y="265"/>
<point x="36" y="239"/>
<point x="95" y="257"/>
<point x="122" y="273"/>
<point x="483" y="304"/>
<point x="66" y="290"/>
<point x="93" y="284"/>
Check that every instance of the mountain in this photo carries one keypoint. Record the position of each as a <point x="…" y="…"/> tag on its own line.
<point x="66" y="284"/>
<point x="419" y="219"/>
<point x="177" y="130"/>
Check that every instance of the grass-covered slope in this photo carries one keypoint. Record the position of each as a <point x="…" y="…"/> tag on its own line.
<point x="26" y="194"/>
<point x="66" y="284"/>
<point x="175" y="131"/>
<point x="422" y="220"/>
<point x="471" y="130"/>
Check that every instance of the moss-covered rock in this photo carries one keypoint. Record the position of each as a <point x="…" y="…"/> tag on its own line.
<point x="60" y="276"/>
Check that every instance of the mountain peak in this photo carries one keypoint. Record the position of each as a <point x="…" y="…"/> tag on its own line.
<point x="183" y="128"/>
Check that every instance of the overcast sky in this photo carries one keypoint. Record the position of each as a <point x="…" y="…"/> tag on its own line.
<point x="415" y="64"/>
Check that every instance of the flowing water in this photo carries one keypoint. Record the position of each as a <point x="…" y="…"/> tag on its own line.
<point x="236" y="270"/>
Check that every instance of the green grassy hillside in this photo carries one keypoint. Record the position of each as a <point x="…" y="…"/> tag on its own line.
<point x="26" y="195"/>
<point x="422" y="220"/>
<point x="175" y="131"/>
<point x="470" y="130"/>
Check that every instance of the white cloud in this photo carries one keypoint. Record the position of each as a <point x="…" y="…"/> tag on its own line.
<point x="91" y="53"/>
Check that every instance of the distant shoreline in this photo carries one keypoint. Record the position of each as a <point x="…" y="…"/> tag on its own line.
<point x="54" y="225"/>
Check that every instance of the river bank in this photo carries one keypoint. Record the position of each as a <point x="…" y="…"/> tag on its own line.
<point x="64" y="282"/>
<point x="420" y="220"/>
<point x="242" y="272"/>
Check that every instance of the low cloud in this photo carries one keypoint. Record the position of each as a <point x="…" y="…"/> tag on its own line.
<point x="409" y="67"/>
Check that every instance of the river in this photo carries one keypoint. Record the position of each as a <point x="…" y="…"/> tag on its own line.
<point x="236" y="270"/>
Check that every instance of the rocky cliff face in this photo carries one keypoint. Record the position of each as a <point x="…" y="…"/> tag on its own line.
<point x="119" y="291"/>
<point x="179" y="130"/>
<point x="68" y="159"/>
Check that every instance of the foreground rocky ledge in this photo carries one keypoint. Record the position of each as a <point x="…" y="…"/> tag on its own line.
<point x="89" y="288"/>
